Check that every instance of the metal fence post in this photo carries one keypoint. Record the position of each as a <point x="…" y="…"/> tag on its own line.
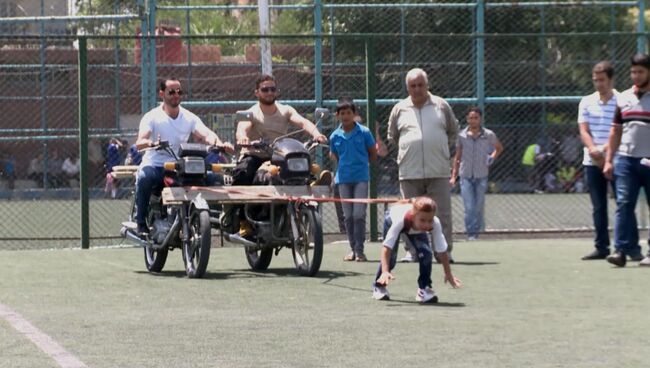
<point x="318" y="65"/>
<point x="83" y="143"/>
<point x="480" y="54"/>
<point x="370" y="118"/>
<point x="144" y="60"/>
<point x="641" y="39"/>
<point x="151" y="90"/>
<point x="318" y="53"/>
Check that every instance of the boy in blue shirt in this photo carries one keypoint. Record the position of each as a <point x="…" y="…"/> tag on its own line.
<point x="353" y="147"/>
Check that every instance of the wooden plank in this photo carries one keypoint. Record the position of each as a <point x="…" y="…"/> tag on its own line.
<point x="243" y="194"/>
<point x="131" y="168"/>
<point x="124" y="171"/>
<point x="123" y="175"/>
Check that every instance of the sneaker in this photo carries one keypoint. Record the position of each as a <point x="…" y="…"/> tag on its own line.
<point x="325" y="178"/>
<point x="349" y="257"/>
<point x="617" y="259"/>
<point x="361" y="258"/>
<point x="645" y="262"/>
<point x="594" y="255"/>
<point x="426" y="295"/>
<point x="408" y="258"/>
<point x="245" y="229"/>
<point x="472" y="238"/>
<point x="380" y="293"/>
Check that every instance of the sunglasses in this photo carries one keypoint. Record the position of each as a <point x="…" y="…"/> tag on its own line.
<point x="268" y="89"/>
<point x="172" y="92"/>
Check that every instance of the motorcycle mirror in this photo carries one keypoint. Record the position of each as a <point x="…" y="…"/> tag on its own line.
<point x="321" y="113"/>
<point x="243" y="115"/>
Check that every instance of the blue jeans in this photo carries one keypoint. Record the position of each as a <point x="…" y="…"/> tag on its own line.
<point x="473" y="192"/>
<point x="631" y="176"/>
<point x="150" y="180"/>
<point x="597" y="184"/>
<point x="355" y="214"/>
<point x="425" y="255"/>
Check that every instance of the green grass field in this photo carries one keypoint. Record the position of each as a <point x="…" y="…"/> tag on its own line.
<point x="524" y="304"/>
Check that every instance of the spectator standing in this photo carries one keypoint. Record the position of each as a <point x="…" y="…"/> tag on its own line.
<point x="476" y="149"/>
<point x="353" y="147"/>
<point x="629" y="138"/>
<point x="112" y="159"/>
<point x="595" y="116"/>
<point x="382" y="151"/>
<point x="424" y="128"/>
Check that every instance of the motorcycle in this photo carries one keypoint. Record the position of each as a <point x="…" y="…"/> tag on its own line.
<point x="294" y="225"/>
<point x="186" y="225"/>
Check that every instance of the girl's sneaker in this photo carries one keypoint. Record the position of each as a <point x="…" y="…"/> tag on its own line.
<point x="361" y="258"/>
<point x="349" y="257"/>
<point x="426" y="295"/>
<point x="380" y="293"/>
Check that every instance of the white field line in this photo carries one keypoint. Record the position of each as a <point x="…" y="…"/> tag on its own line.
<point x="40" y="339"/>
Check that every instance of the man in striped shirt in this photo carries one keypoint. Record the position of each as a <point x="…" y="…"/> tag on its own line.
<point x="630" y="136"/>
<point x="595" y="115"/>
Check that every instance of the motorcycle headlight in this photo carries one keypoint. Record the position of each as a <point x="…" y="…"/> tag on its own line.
<point x="194" y="166"/>
<point x="298" y="164"/>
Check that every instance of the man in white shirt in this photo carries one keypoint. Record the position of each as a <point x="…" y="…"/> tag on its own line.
<point x="595" y="116"/>
<point x="167" y="122"/>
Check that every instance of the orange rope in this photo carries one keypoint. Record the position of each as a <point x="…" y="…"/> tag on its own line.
<point x="226" y="190"/>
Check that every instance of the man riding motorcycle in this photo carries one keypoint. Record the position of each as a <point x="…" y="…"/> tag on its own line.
<point x="166" y="122"/>
<point x="270" y="120"/>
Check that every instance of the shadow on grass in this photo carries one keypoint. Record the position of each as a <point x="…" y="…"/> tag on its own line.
<point x="403" y="303"/>
<point x="247" y="273"/>
<point x="464" y="263"/>
<point x="468" y="263"/>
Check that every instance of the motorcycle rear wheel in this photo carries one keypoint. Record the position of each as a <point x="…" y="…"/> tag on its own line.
<point x="259" y="260"/>
<point x="196" y="251"/>
<point x="308" y="249"/>
<point x="154" y="259"/>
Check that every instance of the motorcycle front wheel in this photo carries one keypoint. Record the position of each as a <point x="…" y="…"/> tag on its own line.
<point x="196" y="250"/>
<point x="308" y="248"/>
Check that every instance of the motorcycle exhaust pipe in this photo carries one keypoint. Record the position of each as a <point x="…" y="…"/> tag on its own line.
<point x="236" y="238"/>
<point x="128" y="234"/>
<point x="172" y="230"/>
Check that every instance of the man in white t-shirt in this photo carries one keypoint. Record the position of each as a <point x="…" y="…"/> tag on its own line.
<point x="167" y="122"/>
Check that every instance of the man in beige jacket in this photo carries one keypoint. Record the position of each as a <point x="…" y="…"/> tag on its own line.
<point x="424" y="128"/>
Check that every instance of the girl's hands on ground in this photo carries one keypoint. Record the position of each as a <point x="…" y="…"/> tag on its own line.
<point x="453" y="281"/>
<point x="385" y="278"/>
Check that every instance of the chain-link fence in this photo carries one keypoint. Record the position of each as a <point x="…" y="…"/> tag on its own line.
<point x="526" y="65"/>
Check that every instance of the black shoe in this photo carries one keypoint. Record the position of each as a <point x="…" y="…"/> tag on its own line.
<point x="594" y="255"/>
<point x="143" y="231"/>
<point x="617" y="259"/>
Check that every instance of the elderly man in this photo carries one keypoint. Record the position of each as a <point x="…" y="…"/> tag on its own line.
<point x="424" y="128"/>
